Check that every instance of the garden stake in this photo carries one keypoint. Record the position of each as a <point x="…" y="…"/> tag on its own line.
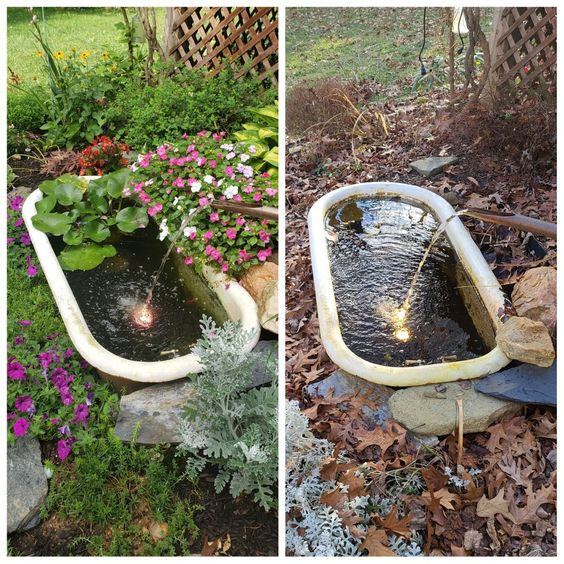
<point x="247" y="209"/>
<point x="460" y="426"/>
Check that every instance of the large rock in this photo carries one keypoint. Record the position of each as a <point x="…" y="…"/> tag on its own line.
<point x="27" y="484"/>
<point x="431" y="410"/>
<point x="153" y="414"/>
<point x="268" y="307"/>
<point x="433" y="165"/>
<point x="523" y="339"/>
<point x="257" y="277"/>
<point x="342" y="383"/>
<point x="534" y="296"/>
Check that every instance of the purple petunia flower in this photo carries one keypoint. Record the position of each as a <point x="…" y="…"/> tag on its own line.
<point x="64" y="430"/>
<point x="68" y="353"/>
<point x="20" y="427"/>
<point x="19" y="340"/>
<point x="25" y="322"/>
<point x="89" y="398"/>
<point x="25" y="404"/>
<point x="80" y="413"/>
<point x="16" y="371"/>
<point x="25" y="239"/>
<point x="64" y="448"/>
<point x="16" y="203"/>
<point x="18" y="222"/>
<point x="45" y="359"/>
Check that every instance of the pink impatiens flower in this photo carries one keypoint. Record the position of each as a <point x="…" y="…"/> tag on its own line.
<point x="154" y="210"/>
<point x="208" y="235"/>
<point x="231" y="233"/>
<point x="214" y="217"/>
<point x="188" y="260"/>
<point x="263" y="254"/>
<point x="240" y="221"/>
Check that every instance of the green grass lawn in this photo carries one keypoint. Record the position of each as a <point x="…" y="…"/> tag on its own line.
<point x="380" y="44"/>
<point x="91" y="29"/>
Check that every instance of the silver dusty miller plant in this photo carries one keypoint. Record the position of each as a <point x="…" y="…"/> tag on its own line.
<point x="313" y="528"/>
<point x="228" y="425"/>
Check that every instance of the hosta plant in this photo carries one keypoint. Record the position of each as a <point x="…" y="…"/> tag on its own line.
<point x="263" y="134"/>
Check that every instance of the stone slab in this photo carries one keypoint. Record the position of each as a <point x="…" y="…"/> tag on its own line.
<point x="431" y="409"/>
<point x="343" y="383"/>
<point x="431" y="166"/>
<point x="27" y="484"/>
<point x="154" y="412"/>
<point x="525" y="383"/>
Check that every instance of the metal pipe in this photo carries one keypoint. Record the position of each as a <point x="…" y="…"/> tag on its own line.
<point x="264" y="212"/>
<point x="521" y="222"/>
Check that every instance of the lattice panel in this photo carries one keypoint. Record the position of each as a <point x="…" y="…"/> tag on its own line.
<point x="214" y="37"/>
<point x="524" y="48"/>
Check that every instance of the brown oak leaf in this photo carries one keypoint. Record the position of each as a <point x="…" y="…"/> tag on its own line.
<point x="376" y="542"/>
<point x="357" y="485"/>
<point x="335" y="498"/>
<point x="392" y="523"/>
<point x="491" y="507"/>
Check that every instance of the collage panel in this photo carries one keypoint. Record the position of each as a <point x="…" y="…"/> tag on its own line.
<point x="420" y="281"/>
<point x="142" y="281"/>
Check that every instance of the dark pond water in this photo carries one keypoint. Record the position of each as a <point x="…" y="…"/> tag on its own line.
<point x="109" y="297"/>
<point x="380" y="243"/>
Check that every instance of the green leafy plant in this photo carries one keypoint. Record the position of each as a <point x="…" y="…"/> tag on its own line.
<point x="10" y="176"/>
<point x="186" y="102"/>
<point x="84" y="213"/>
<point x="228" y="425"/>
<point x="110" y="486"/>
<point x="263" y="135"/>
<point x="437" y="74"/>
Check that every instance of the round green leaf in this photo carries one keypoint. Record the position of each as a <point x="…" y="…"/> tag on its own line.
<point x="132" y="214"/>
<point x="46" y="204"/>
<point x="54" y="223"/>
<point x="116" y="182"/>
<point x="48" y="186"/>
<point x="67" y="194"/>
<point x="96" y="231"/>
<point x="86" y="256"/>
<point x="73" y="237"/>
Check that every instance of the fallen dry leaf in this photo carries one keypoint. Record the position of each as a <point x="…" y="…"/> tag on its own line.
<point x="491" y="507"/>
<point x="376" y="543"/>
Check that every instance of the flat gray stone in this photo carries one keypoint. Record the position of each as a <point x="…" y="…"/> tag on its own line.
<point x="525" y="383"/>
<point x="154" y="412"/>
<point x="27" y="484"/>
<point x="431" y="410"/>
<point x="432" y="165"/>
<point x="342" y="383"/>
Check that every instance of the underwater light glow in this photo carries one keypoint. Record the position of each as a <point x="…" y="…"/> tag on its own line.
<point x="143" y="316"/>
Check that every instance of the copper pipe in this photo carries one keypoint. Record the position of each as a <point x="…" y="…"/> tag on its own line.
<point x="521" y="222"/>
<point x="264" y="212"/>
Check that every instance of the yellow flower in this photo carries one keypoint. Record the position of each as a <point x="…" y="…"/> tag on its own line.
<point x="105" y="56"/>
<point x="59" y="54"/>
<point x="39" y="53"/>
<point x="84" y="55"/>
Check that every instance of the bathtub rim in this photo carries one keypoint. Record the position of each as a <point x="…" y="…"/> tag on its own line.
<point x="237" y="302"/>
<point x="472" y="261"/>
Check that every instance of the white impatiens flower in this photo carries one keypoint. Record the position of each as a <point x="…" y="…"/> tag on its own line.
<point x="189" y="231"/>
<point x="175" y="201"/>
<point x="230" y="191"/>
<point x="244" y="157"/>
<point x="227" y="147"/>
<point x="252" y="149"/>
<point x="196" y="187"/>
<point x="230" y="155"/>
<point x="219" y="182"/>
<point x="208" y="179"/>
<point x="163" y="229"/>
<point x="133" y="167"/>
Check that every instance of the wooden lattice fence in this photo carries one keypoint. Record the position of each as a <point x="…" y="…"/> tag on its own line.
<point x="216" y="37"/>
<point x="523" y="49"/>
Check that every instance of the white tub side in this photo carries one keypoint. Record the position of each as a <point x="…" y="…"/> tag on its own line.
<point x="470" y="256"/>
<point x="237" y="302"/>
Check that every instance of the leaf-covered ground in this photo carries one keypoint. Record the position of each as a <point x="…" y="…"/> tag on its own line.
<point x="501" y="499"/>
